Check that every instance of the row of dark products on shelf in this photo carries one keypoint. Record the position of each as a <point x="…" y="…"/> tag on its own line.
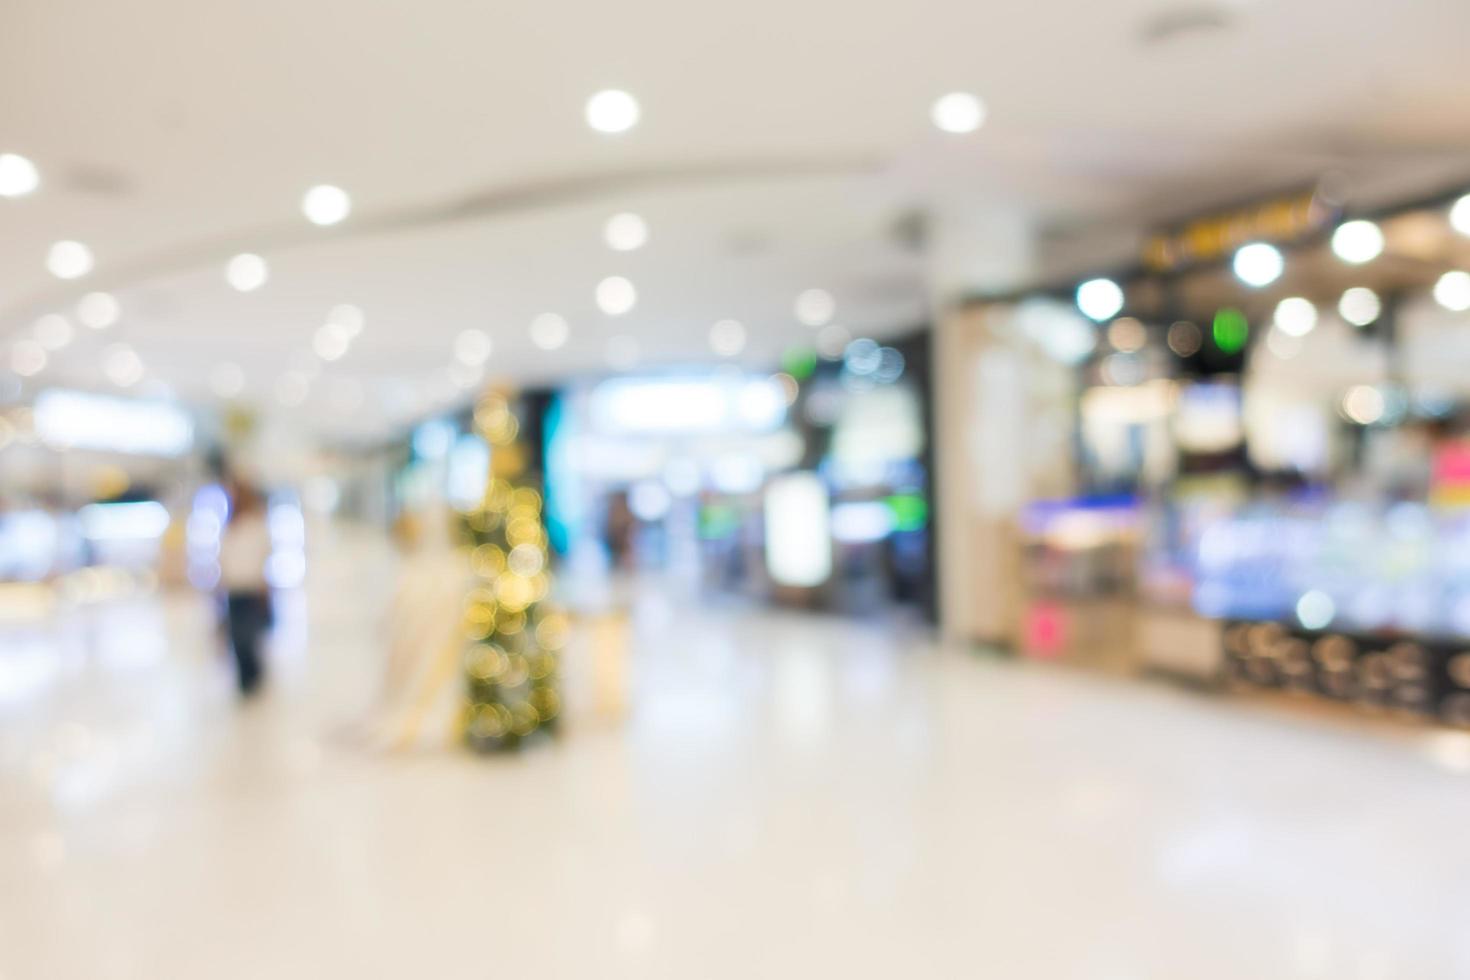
<point x="1427" y="679"/>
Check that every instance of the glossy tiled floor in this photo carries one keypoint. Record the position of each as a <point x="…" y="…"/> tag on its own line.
<point x="789" y="796"/>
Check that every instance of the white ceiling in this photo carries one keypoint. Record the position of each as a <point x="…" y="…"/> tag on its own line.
<point x="780" y="146"/>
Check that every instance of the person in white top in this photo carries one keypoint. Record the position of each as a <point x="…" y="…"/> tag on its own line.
<point x="244" y="550"/>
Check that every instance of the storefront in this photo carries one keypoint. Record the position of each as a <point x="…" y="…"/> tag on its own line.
<point x="1268" y="448"/>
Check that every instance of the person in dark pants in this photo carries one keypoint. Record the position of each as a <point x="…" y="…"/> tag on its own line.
<point x="245" y="548"/>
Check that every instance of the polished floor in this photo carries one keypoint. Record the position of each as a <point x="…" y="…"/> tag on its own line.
<point x="788" y="795"/>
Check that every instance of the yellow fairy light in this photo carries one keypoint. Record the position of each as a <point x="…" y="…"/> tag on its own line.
<point x="526" y="559"/>
<point x="523" y="530"/>
<point x="551" y="631"/>
<point x="541" y="665"/>
<point x="511" y="623"/>
<point x="489" y="721"/>
<point x="479" y="621"/>
<point x="498" y="495"/>
<point x="546" y="702"/>
<point x="483" y="520"/>
<point x="524" y="718"/>
<point x="487" y="561"/>
<point x="540" y="586"/>
<point x="516" y="671"/>
<point x="513" y="591"/>
<point x="485" y="661"/>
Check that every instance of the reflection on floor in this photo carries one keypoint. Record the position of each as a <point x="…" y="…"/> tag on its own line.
<point x="789" y="796"/>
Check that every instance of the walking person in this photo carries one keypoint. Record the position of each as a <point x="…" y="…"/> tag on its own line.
<point x="245" y="547"/>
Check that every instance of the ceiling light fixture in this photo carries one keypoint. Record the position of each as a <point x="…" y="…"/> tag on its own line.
<point x="69" y="260"/>
<point x="1258" y="264"/>
<point x="1357" y="242"/>
<point x="1452" y="291"/>
<point x="246" y="272"/>
<point x="616" y="296"/>
<point x="549" y="331"/>
<point x="53" y="331"/>
<point x="1295" y="316"/>
<point x="625" y="232"/>
<point x="1100" y="299"/>
<point x="612" y="111"/>
<point x="98" y="310"/>
<point x="958" y="112"/>
<point x="1359" y="306"/>
<point x="330" y="342"/>
<point x="815" y="307"/>
<point x="326" y="204"/>
<point x="472" y="347"/>
<point x="122" y="365"/>
<point x="727" y="338"/>
<point x="27" y="358"/>
<point x="350" y="319"/>
<point x="1460" y="215"/>
<point x="18" y="176"/>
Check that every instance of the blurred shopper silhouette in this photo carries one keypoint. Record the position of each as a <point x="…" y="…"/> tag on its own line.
<point x="245" y="548"/>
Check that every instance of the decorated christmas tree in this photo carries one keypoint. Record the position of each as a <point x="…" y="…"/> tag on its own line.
<point x="513" y="636"/>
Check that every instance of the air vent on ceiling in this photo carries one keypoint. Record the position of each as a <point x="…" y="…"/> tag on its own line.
<point x="97" y="181"/>
<point x="1179" y="23"/>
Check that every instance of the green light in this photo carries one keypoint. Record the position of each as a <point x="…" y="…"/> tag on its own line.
<point x="910" y="511"/>
<point x="1230" y="330"/>
<point x="718" y="521"/>
<point x="799" y="362"/>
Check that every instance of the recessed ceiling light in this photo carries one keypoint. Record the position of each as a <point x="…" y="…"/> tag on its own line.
<point x="326" y="204"/>
<point x="1357" y="242"/>
<point x="1100" y="299"/>
<point x="727" y="338"/>
<point x="69" y="260"/>
<point x="98" y="310"/>
<point x="53" y="331"/>
<point x="616" y="296"/>
<point x="612" y="111"/>
<point x="246" y="272"/>
<point x="832" y="340"/>
<point x="227" y="380"/>
<point x="465" y="376"/>
<point x="1295" y="316"/>
<point x="18" y="176"/>
<point x="330" y="342"/>
<point x="1258" y="264"/>
<point x="1460" y="215"/>
<point x="549" y="331"/>
<point x="292" y="389"/>
<point x="815" y="307"/>
<point x="349" y="318"/>
<point x="472" y="347"/>
<point x="27" y="358"/>
<point x="122" y="365"/>
<point x="1452" y="291"/>
<point x="958" y="112"/>
<point x="1359" y="306"/>
<point x="625" y="232"/>
<point x="1363" y="404"/>
<point x="1127" y="334"/>
<point x="622" y="352"/>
